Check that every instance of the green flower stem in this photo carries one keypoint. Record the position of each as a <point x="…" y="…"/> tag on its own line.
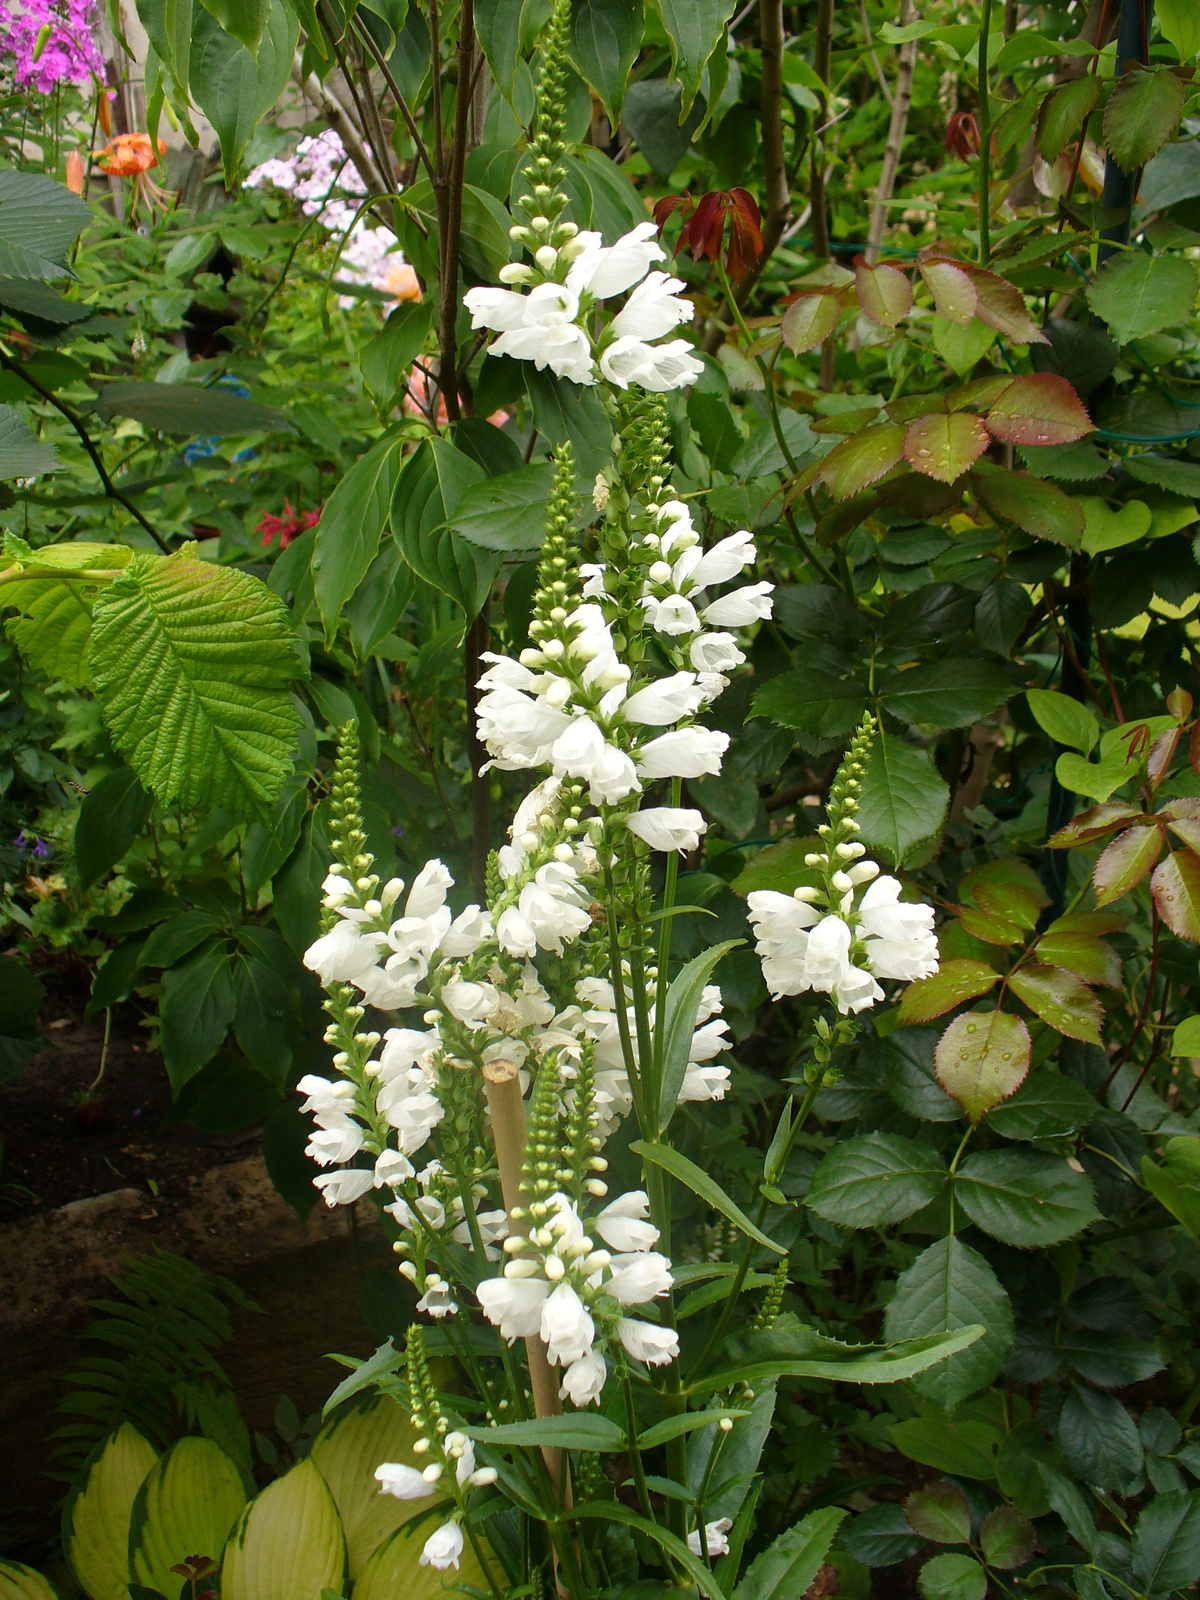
<point x="985" y="136"/>
<point x="631" y="1433"/>
<point x="663" y="955"/>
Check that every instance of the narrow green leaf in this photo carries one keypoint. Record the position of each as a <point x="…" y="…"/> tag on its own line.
<point x="683" y="1002"/>
<point x="676" y="1427"/>
<point x="699" y="1182"/>
<point x="615" y="1511"/>
<point x="351" y="525"/>
<point x="580" y="1430"/>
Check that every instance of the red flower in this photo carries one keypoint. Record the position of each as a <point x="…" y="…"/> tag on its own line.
<point x="704" y="223"/>
<point x="288" y="525"/>
<point x="962" y="135"/>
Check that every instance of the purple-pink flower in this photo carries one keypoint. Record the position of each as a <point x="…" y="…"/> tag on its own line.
<point x="69" y="53"/>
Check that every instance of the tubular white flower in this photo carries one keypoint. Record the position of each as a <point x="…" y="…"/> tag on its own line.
<point x="659" y="704"/>
<point x="683" y="753"/>
<point x="612" y="270"/>
<point x="336" y="890"/>
<point x="653" y="308"/>
<point x="390" y="991"/>
<point x="740" y="608"/>
<point x="565" y="349"/>
<point x="724" y="561"/>
<point x="901" y="942"/>
<point x="657" y="367"/>
<point x="715" y="652"/>
<point x="437" y="1301"/>
<point x="639" y="1277"/>
<point x="465" y="1466"/>
<point x="466" y="933"/>
<point x="404" y="1482"/>
<point x="715" y="1541"/>
<point x="566" y="1326"/>
<point x="392" y="1167"/>
<point x="404" y="1048"/>
<point x="345" y="1187"/>
<point x="701" y="1083"/>
<point x="497" y="309"/>
<point x="622" y="1223"/>
<point x="673" y="615"/>
<point x="668" y="827"/>
<point x="709" y="1041"/>
<point x="582" y="752"/>
<point x="583" y="1381"/>
<point x="645" y="1342"/>
<point x="330" y="1146"/>
<point x="829" y="970"/>
<point x="514" y="1305"/>
<point x="515" y="933"/>
<point x="343" y="954"/>
<point x="428" y="893"/>
<point x="443" y="1548"/>
<point x="325" y="1095"/>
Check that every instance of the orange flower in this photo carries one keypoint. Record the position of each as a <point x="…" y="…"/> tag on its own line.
<point x="75" y="172"/>
<point x="128" y="154"/>
<point x="400" y="281"/>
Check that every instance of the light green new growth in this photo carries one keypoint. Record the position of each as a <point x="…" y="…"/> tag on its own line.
<point x="544" y="172"/>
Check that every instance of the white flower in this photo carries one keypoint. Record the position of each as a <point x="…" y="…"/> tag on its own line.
<point x="566" y="350"/>
<point x="664" y="702"/>
<point x="436" y="1301"/>
<point x="466" y="933"/>
<point x="411" y="1110"/>
<point x="566" y="1326"/>
<point x="583" y="1381"/>
<point x="639" y="1277"/>
<point x="583" y="752"/>
<point x="330" y="1146"/>
<point x="653" y="308"/>
<point x="391" y="991"/>
<point x="514" y="1305"/>
<point x="469" y="1002"/>
<point x="406" y="1483"/>
<point x="715" y="652"/>
<point x="443" y="1548"/>
<point x="392" y="1167"/>
<point x="901" y="941"/>
<point x="657" y="367"/>
<point x="711" y="1003"/>
<point x="674" y="615"/>
<point x="336" y="890"/>
<point x="493" y="1226"/>
<point x="324" y="1095"/>
<point x="610" y="271"/>
<point x="622" y="1222"/>
<point x="497" y="309"/>
<point x="343" y="954"/>
<point x="645" y="1342"/>
<point x="828" y="969"/>
<point x="465" y="1466"/>
<point x="552" y="916"/>
<point x="428" y="893"/>
<point x="781" y="925"/>
<point x="683" y="753"/>
<point x="343" y="1188"/>
<point x="404" y="1048"/>
<point x="518" y="730"/>
<point x="515" y="934"/>
<point x="709" y="1041"/>
<point x="708" y="1082"/>
<point x="741" y="607"/>
<point x="724" y="561"/>
<point x="715" y="1542"/>
<point x="668" y="827"/>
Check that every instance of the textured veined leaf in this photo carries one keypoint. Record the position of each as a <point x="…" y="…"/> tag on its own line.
<point x="1142" y="113"/>
<point x="288" y="1543"/>
<point x="884" y="293"/>
<point x="950" y="985"/>
<point x="1024" y="1199"/>
<point x="940" y="1511"/>
<point x="951" y="1286"/>
<point x="944" y="446"/>
<point x="19" y="1582"/>
<point x="1137" y="294"/>
<point x="346" y="1452"/>
<point x="96" y="1515"/>
<point x="1166" y="1543"/>
<point x="54" y="623"/>
<point x="394" y="1571"/>
<point x="191" y="663"/>
<point x="952" y="1576"/>
<point x="904" y="799"/>
<point x="1180" y="24"/>
<point x="1037" y="507"/>
<point x="788" y="1567"/>
<point x="187" y="1505"/>
<point x="809" y="321"/>
<point x="1094" y="823"/>
<point x="875" y="1181"/>
<point x="39" y="222"/>
<point x="1007" y="1537"/>
<point x="981" y="1059"/>
<point x="185" y="408"/>
<point x="22" y="455"/>
<point x="1061" y="999"/>
<point x="1126" y="861"/>
<point x="1176" y="890"/>
<point x="1062" y="112"/>
<point x="1039" y="408"/>
<point x="858" y="462"/>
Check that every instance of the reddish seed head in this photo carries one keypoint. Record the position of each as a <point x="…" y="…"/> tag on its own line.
<point x="962" y="135"/>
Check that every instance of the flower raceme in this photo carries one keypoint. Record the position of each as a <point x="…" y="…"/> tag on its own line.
<point x="552" y="323"/>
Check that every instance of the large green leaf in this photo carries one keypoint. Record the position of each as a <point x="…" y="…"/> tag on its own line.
<point x="1180" y="25"/>
<point x="184" y="408"/>
<point x="947" y="694"/>
<point x="1166" y="1543"/>
<point x="951" y="1286"/>
<point x="191" y="663"/>
<point x="235" y="88"/>
<point x="1100" y="1439"/>
<point x="605" y="38"/>
<point x="351" y="526"/>
<point x="113" y="813"/>
<point x="1137" y="294"/>
<point x="1023" y="1198"/>
<point x="874" y="1181"/>
<point x="579" y="1430"/>
<point x="904" y="799"/>
<point x="39" y="222"/>
<point x="827" y="1358"/>
<point x="787" y="1567"/>
<point x="19" y="1582"/>
<point x="428" y="490"/>
<point x="1048" y="1105"/>
<point x="964" y="1446"/>
<point x="695" y="28"/>
<point x="22" y="455"/>
<point x="813" y="701"/>
<point x="96" y="1515"/>
<point x="187" y="1505"/>
<point x="196" y="1010"/>
<point x="54" y="624"/>
<point x="395" y="1569"/>
<point x="506" y="513"/>
<point x="1142" y="113"/>
<point x="564" y="413"/>
<point x="288" y="1543"/>
<point x="243" y="19"/>
<point x="386" y="359"/>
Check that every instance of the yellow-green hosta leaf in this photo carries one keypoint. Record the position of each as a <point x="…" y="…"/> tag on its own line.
<point x="288" y="1542"/>
<point x="19" y="1582"/>
<point x="186" y="1507"/>
<point x="394" y="1572"/>
<point x="346" y="1452"/>
<point x="96" y="1516"/>
<point x="192" y="664"/>
<point x="1109" y="529"/>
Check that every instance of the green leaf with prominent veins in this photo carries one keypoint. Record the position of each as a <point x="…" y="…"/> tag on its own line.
<point x="1142" y="113"/>
<point x="192" y="664"/>
<point x="428" y="490"/>
<point x="949" y="1287"/>
<point x="950" y="985"/>
<point x="244" y="20"/>
<point x="946" y="694"/>
<point x="54" y="623"/>
<point x="695" y="29"/>
<point x="1137" y="294"/>
<point x="39" y="222"/>
<point x="903" y="801"/>
<point x="1025" y="1199"/>
<point x="22" y="455"/>
<point x="1061" y="999"/>
<point x="787" y="1568"/>
<point x="235" y="88"/>
<point x="874" y="1181"/>
<point x="982" y="1058"/>
<point x="606" y="36"/>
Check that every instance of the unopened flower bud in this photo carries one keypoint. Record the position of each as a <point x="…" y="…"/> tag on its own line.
<point x="726" y="1424"/>
<point x="483" y="1477"/>
<point x="546" y="257"/>
<point x="595" y="1188"/>
<point x="420" y="1446"/>
<point x="805" y="895"/>
<point x="432" y="1472"/>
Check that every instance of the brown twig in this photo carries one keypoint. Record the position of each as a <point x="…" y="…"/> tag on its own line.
<point x="410" y="123"/>
<point x="450" y="217"/>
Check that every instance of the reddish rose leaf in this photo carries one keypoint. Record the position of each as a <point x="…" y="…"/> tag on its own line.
<point x="1060" y="999"/>
<point x="1087" y="957"/>
<point x="1179" y="704"/>
<point x="943" y="447"/>
<point x="1032" y="504"/>
<point x="911" y="406"/>
<point x="1002" y="306"/>
<point x="1011" y="902"/>
<point x="809" y="321"/>
<point x="981" y="1059"/>
<point x="884" y="293"/>
<point x="1039" y="409"/>
<point x="1183" y="819"/>
<point x="990" y="928"/>
<point x="1094" y="823"/>
<point x="1162" y="753"/>
<point x="980" y="394"/>
<point x="1096" y="922"/>
<point x="1126" y="861"/>
<point x="952" y="289"/>
<point x="1176" y="890"/>
<point x="857" y="463"/>
<point x="951" y="984"/>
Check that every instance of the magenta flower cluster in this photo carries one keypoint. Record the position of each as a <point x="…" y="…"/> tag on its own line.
<point x="69" y="54"/>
